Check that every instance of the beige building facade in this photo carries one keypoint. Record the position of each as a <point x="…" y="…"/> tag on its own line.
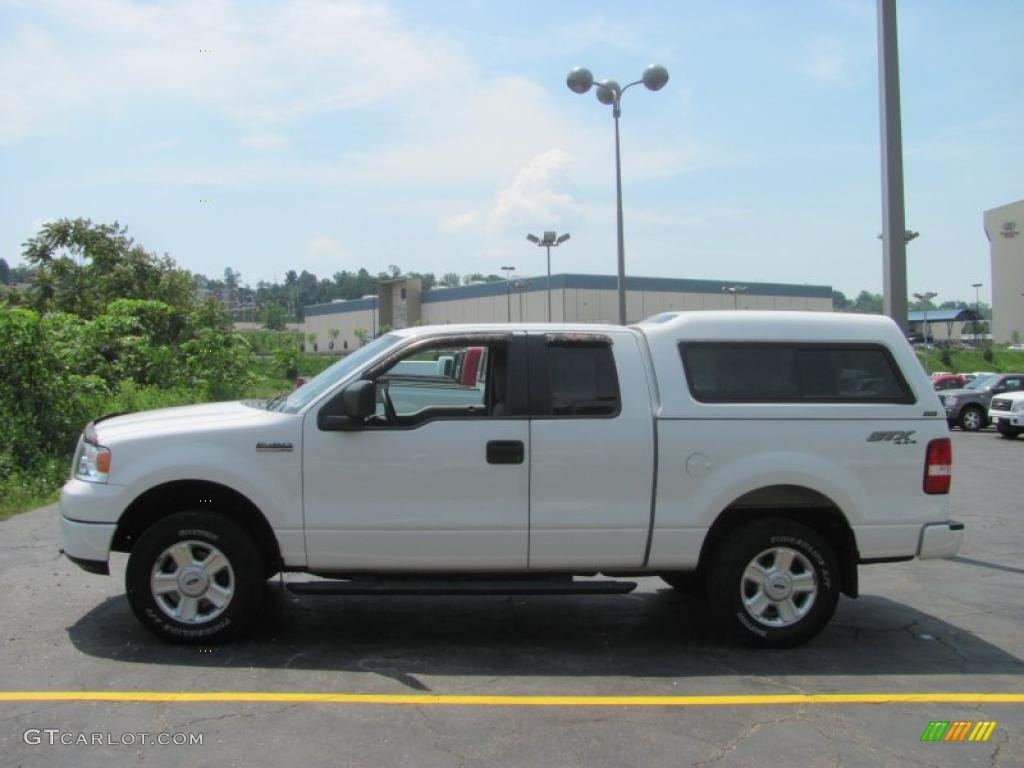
<point x="1004" y="227"/>
<point x="574" y="298"/>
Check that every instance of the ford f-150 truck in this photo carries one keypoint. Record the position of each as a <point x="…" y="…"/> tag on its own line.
<point x="762" y="456"/>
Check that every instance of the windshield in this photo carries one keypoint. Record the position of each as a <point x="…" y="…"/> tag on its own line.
<point x="982" y="382"/>
<point x="327" y="378"/>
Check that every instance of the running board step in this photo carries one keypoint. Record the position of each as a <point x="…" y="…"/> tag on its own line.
<point x="399" y="587"/>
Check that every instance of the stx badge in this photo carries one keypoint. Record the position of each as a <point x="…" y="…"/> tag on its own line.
<point x="897" y="438"/>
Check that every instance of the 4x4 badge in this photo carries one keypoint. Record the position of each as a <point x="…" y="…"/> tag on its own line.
<point x="897" y="438"/>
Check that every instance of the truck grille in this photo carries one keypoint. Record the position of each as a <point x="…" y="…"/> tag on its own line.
<point x="1000" y="404"/>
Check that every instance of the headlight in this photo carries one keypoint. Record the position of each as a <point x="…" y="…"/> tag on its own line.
<point x="1018" y="406"/>
<point x="951" y="399"/>
<point x="92" y="463"/>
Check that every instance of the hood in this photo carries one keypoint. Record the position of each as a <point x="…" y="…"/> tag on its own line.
<point x="184" y="420"/>
<point x="963" y="392"/>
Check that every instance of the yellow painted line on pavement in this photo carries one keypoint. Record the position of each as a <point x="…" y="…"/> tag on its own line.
<point x="419" y="699"/>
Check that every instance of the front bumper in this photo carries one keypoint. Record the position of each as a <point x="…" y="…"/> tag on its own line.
<point x="87" y="544"/>
<point x="940" y="540"/>
<point x="1012" y="418"/>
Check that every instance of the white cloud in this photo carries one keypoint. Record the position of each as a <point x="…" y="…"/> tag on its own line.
<point x="264" y="140"/>
<point x="538" y="194"/>
<point x="826" y="59"/>
<point x="324" y="246"/>
<point x="267" y="64"/>
<point x="161" y="146"/>
<point x="459" y="221"/>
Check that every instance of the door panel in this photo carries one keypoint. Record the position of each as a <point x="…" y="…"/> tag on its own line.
<point x="441" y="484"/>
<point x="416" y="499"/>
<point x="592" y="476"/>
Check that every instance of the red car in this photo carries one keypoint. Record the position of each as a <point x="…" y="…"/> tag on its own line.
<point x="948" y="381"/>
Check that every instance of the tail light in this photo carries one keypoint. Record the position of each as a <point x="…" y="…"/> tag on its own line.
<point x="938" y="466"/>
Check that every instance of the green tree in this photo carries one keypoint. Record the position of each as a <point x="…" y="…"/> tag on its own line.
<point x="80" y="267"/>
<point x="868" y="303"/>
<point x="362" y="334"/>
<point x="839" y="301"/>
<point x="273" y="316"/>
<point x="333" y="334"/>
<point x="451" y="280"/>
<point x="5" y="272"/>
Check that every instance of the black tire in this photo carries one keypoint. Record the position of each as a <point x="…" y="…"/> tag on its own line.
<point x="1006" y="430"/>
<point x="687" y="582"/>
<point x="200" y="534"/>
<point x="727" y="586"/>
<point x="972" y="418"/>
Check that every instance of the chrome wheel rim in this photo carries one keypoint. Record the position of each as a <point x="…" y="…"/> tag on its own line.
<point x="779" y="587"/>
<point x="972" y="419"/>
<point x="192" y="582"/>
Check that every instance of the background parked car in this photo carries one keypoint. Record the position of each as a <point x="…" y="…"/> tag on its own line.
<point x="1007" y="413"/>
<point x="948" y="381"/>
<point x="967" y="408"/>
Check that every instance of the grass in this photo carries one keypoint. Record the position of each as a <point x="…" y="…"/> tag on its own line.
<point x="968" y="360"/>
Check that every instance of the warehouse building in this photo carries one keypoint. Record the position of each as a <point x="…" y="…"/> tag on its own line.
<point x="401" y="303"/>
<point x="1004" y="227"/>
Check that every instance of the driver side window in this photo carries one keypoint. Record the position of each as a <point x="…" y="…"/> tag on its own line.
<point x="447" y="380"/>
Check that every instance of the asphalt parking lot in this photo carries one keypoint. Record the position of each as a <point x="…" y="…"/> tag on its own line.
<point x="919" y="628"/>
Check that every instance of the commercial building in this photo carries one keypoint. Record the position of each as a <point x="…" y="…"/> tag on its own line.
<point x="1004" y="227"/>
<point x="574" y="298"/>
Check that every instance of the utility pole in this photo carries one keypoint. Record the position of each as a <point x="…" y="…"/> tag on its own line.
<point x="894" y="244"/>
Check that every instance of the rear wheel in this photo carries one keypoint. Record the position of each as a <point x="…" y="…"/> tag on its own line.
<point x="195" y="577"/>
<point x="774" y="583"/>
<point x="972" y="418"/>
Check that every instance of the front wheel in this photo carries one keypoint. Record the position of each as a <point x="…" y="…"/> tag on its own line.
<point x="195" y="577"/>
<point x="1007" y="430"/>
<point x="972" y="419"/>
<point x="774" y="584"/>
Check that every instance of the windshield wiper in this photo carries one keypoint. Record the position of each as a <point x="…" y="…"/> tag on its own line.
<point x="275" y="401"/>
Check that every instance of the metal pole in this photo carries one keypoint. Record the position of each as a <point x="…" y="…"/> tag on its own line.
<point x="894" y="245"/>
<point x="508" y="292"/>
<point x="618" y="204"/>
<point x="549" y="283"/>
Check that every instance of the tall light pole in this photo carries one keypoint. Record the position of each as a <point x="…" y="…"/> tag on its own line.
<point x="894" y="247"/>
<point x="549" y="241"/>
<point x="977" y="310"/>
<point x="508" y="288"/>
<point x="735" y="290"/>
<point x="609" y="92"/>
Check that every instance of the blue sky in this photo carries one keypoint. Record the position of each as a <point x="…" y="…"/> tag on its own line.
<point x="435" y="135"/>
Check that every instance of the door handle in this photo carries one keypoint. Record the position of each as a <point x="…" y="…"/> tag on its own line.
<point x="505" y="452"/>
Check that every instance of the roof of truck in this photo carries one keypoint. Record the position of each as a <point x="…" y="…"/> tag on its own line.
<point x="736" y="325"/>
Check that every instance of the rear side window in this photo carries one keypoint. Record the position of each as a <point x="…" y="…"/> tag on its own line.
<point x="788" y="373"/>
<point x="582" y="380"/>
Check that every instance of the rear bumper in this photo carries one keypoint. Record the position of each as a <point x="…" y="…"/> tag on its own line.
<point x="940" y="540"/>
<point x="87" y="544"/>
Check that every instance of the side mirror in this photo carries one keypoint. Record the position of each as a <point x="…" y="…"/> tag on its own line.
<point x="349" y="409"/>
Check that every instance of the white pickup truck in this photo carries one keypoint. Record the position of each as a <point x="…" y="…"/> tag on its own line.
<point x="761" y="455"/>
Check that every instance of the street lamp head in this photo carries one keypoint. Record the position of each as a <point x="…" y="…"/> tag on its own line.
<point x="549" y="237"/>
<point x="533" y="238"/>
<point x="655" y="77"/>
<point x="608" y="91"/>
<point x="579" y="80"/>
<point x="976" y="285"/>
<point x="508" y="269"/>
<point x="562" y="239"/>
